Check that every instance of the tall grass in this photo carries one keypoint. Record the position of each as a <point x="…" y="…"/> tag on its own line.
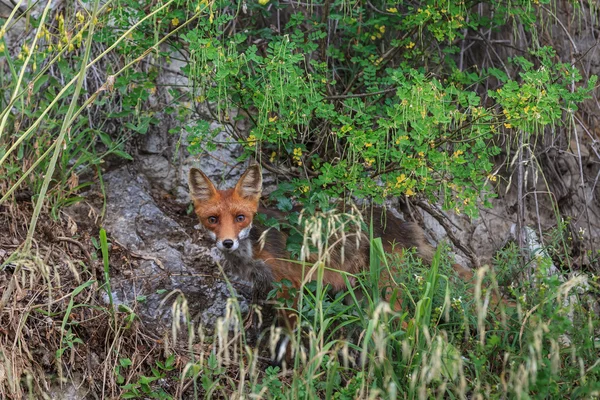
<point x="455" y="344"/>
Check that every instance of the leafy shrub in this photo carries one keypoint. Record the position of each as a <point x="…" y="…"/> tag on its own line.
<point x="371" y="100"/>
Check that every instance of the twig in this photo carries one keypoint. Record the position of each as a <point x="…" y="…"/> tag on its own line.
<point x="349" y="96"/>
<point x="443" y="220"/>
<point x="78" y="244"/>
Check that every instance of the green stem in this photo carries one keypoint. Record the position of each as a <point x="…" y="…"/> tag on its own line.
<point x="63" y="132"/>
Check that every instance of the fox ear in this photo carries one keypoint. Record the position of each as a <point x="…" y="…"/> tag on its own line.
<point x="201" y="188"/>
<point x="250" y="183"/>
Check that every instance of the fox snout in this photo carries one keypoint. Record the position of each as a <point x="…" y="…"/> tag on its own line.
<point x="231" y="244"/>
<point x="228" y="245"/>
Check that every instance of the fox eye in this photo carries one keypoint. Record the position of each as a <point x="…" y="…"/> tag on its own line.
<point x="212" y="220"/>
<point x="240" y="218"/>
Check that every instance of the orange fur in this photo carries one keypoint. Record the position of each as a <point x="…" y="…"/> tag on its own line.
<point x="227" y="205"/>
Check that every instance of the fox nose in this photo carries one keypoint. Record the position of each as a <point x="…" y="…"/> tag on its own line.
<point x="228" y="243"/>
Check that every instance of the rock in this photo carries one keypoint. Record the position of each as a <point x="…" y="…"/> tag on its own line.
<point x="170" y="259"/>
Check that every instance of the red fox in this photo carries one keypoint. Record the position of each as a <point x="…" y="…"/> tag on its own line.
<point x="228" y="215"/>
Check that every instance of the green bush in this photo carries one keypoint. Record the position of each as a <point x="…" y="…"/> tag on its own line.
<point x="368" y="100"/>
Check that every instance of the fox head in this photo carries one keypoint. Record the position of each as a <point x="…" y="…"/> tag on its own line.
<point x="226" y="214"/>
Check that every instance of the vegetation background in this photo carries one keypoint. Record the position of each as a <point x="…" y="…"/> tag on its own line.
<point x="478" y="119"/>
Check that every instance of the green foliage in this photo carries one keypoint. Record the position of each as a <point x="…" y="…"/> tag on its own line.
<point x="369" y="100"/>
<point x="145" y="386"/>
<point x="453" y="346"/>
<point x="38" y="85"/>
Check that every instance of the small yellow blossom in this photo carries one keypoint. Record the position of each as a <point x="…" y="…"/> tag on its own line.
<point x="392" y="10"/>
<point x="507" y="125"/>
<point x="410" y="45"/>
<point x="273" y="119"/>
<point x="368" y="144"/>
<point x="263" y="2"/>
<point x="492" y="177"/>
<point x="297" y="155"/>
<point x="272" y="158"/>
<point x="175" y="21"/>
<point x="409" y="192"/>
<point x="251" y="140"/>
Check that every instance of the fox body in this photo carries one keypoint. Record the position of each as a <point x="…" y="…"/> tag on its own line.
<point x="260" y="255"/>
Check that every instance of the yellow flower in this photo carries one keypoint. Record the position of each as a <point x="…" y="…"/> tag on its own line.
<point x="410" y="45"/>
<point x="251" y="140"/>
<point x="507" y="125"/>
<point x="175" y="21"/>
<point x="272" y="158"/>
<point x="409" y="192"/>
<point x="382" y="29"/>
<point x="80" y="17"/>
<point x="346" y="128"/>
<point x="273" y="119"/>
<point x="492" y="177"/>
<point x="263" y="2"/>
<point x="392" y="10"/>
<point x="457" y="153"/>
<point x="421" y="154"/>
<point x="368" y="144"/>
